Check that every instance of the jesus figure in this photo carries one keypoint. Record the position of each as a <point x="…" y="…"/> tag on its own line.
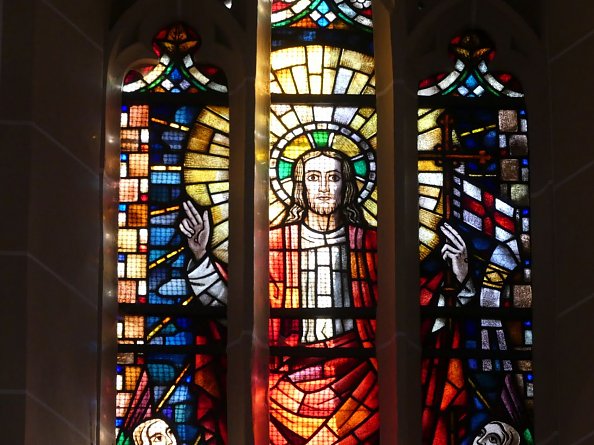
<point x="323" y="256"/>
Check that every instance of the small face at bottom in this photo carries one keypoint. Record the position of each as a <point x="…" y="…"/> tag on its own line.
<point x="160" y="434"/>
<point x="497" y="433"/>
<point x="154" y="432"/>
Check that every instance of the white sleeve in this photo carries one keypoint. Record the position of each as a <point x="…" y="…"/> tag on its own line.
<point x="207" y="283"/>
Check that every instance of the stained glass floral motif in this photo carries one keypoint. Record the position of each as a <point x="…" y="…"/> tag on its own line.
<point x="322" y="241"/>
<point x="474" y="234"/>
<point x="171" y="364"/>
<point x="330" y="14"/>
<point x="175" y="71"/>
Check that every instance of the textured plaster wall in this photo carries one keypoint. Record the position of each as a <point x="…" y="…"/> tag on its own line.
<point x="570" y="60"/>
<point x="51" y="97"/>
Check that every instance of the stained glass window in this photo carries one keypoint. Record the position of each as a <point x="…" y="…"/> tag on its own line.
<point x="172" y="249"/>
<point x="323" y="218"/>
<point x="474" y="233"/>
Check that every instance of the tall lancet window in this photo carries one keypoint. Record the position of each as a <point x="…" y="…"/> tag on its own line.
<point x="172" y="249"/>
<point x="323" y="385"/>
<point x="475" y="290"/>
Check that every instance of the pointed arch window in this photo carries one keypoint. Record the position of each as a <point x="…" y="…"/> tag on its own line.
<point x="323" y="217"/>
<point x="172" y="248"/>
<point x="475" y="252"/>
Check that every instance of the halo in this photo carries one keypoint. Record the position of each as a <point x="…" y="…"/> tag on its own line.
<point x="319" y="136"/>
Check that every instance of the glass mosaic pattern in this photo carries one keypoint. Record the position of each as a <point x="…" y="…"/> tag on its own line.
<point x="322" y="14"/>
<point x="323" y="217"/>
<point x="172" y="251"/>
<point x="474" y="233"/>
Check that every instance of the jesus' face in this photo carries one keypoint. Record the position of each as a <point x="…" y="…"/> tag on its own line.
<point x="323" y="184"/>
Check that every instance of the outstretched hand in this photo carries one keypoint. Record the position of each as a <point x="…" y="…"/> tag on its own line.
<point x="454" y="252"/>
<point x="196" y="228"/>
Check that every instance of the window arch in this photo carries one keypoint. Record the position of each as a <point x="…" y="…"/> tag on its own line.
<point x="475" y="251"/>
<point x="173" y="232"/>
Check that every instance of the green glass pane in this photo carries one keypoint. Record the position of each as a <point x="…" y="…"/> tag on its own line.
<point x="321" y="138"/>
<point x="284" y="169"/>
<point x="360" y="167"/>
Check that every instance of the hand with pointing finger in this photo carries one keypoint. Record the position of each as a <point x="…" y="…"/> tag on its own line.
<point x="197" y="229"/>
<point x="454" y="252"/>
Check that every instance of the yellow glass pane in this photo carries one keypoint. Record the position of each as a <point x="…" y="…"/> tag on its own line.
<point x="357" y="122"/>
<point x="427" y="190"/>
<point x="198" y="160"/>
<point x="136" y="266"/>
<point x="423" y="252"/>
<point x="423" y="111"/>
<point x="199" y="193"/>
<point x="429" y="219"/>
<point x="315" y="56"/>
<point x="200" y="137"/>
<point x="428" y="237"/>
<point x="127" y="240"/>
<point x="223" y="112"/>
<point x="286" y="82"/>
<point x="356" y="61"/>
<point x="366" y="111"/>
<point x="218" y="187"/>
<point x="304" y="113"/>
<point x="197" y="176"/>
<point x="371" y="206"/>
<point x="429" y="166"/>
<point x="219" y="150"/>
<point x="301" y="79"/>
<point x="222" y="252"/>
<point x="221" y="139"/>
<point x="288" y="57"/>
<point x="357" y="84"/>
<point x="219" y="213"/>
<point x="370" y="127"/>
<point x="220" y="233"/>
<point x="346" y="145"/>
<point x="297" y="147"/>
<point x="429" y="120"/>
<point x="370" y="89"/>
<point x="331" y="56"/>
<point x="329" y="78"/>
<point x="214" y="120"/>
<point x="315" y="84"/>
<point x="427" y="141"/>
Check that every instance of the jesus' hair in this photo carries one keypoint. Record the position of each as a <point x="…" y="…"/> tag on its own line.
<point x="348" y="205"/>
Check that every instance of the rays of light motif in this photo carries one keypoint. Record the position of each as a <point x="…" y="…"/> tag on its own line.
<point x="473" y="174"/>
